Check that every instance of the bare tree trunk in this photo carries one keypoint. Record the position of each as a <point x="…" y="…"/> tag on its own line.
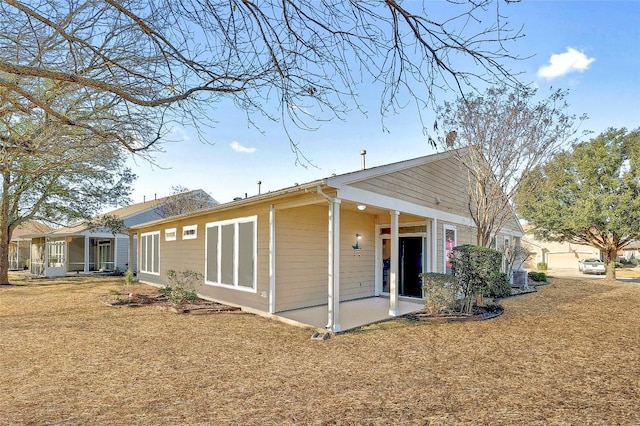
<point x="5" y="231"/>
<point x="610" y="263"/>
<point x="5" y="238"/>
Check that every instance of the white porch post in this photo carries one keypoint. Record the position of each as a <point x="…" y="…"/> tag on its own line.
<point x="393" y="270"/>
<point x="434" y="245"/>
<point x="86" y="254"/>
<point x="130" y="253"/>
<point x="46" y="256"/>
<point x="272" y="259"/>
<point x="333" y="307"/>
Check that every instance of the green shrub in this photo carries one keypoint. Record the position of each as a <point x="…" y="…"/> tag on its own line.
<point x="541" y="266"/>
<point x="619" y="265"/>
<point x="498" y="286"/>
<point x="181" y="286"/>
<point x="537" y="276"/>
<point x="440" y="291"/>
<point x="476" y="269"/>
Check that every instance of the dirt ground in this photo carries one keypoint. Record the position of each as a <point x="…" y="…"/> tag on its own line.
<point x="568" y="354"/>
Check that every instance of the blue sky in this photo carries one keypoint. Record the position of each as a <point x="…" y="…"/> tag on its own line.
<point x="591" y="48"/>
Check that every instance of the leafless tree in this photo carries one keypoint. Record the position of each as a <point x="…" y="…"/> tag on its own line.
<point x="146" y="65"/>
<point x="513" y="256"/>
<point x="500" y="136"/>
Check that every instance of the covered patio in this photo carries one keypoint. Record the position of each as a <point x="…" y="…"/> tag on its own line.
<point x="353" y="313"/>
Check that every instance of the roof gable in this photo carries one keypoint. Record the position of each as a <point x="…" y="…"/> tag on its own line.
<point x="30" y="227"/>
<point x="364" y="174"/>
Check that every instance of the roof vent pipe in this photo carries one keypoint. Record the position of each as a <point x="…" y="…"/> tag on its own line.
<point x="259" y="185"/>
<point x="363" y="153"/>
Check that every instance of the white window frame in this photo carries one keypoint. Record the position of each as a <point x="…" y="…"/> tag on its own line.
<point x="236" y="238"/>
<point x="168" y="237"/>
<point x="445" y="228"/>
<point x="188" y="228"/>
<point x="146" y="245"/>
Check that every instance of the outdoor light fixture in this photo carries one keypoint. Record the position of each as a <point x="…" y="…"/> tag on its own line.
<point x="356" y="246"/>
<point x="362" y="207"/>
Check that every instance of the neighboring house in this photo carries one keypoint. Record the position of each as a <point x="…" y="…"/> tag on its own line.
<point x="359" y="235"/>
<point x="631" y="251"/>
<point x="555" y="255"/>
<point x="20" y="244"/>
<point x="82" y="248"/>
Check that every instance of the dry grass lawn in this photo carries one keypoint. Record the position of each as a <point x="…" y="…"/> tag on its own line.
<point x="567" y="355"/>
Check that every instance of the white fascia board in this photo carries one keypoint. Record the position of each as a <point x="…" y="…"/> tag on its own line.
<point x="362" y="196"/>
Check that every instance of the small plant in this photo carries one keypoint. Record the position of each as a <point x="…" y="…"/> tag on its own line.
<point x="541" y="266"/>
<point x="181" y="286"/>
<point x="128" y="277"/>
<point x="115" y="295"/>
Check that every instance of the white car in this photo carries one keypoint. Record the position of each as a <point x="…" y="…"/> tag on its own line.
<point x="591" y="266"/>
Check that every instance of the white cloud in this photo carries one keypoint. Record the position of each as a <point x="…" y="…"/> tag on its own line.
<point x="565" y="63"/>
<point x="237" y="147"/>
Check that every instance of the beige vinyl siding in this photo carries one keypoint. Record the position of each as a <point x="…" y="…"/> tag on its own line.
<point x="512" y="225"/>
<point x="357" y="272"/>
<point x="301" y="257"/>
<point x="189" y="254"/>
<point x="422" y="184"/>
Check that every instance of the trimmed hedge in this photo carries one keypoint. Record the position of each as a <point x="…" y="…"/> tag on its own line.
<point x="440" y="292"/>
<point x="498" y="286"/>
<point x="477" y="270"/>
<point x="537" y="276"/>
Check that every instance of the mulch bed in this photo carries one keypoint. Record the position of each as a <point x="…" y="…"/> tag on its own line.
<point x="479" y="313"/>
<point x="197" y="307"/>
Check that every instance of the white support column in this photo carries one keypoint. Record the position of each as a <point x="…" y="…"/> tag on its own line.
<point x="65" y="253"/>
<point x="114" y="253"/>
<point x="393" y="270"/>
<point x="86" y="254"/>
<point x="130" y="253"/>
<point x="333" y="307"/>
<point x="272" y="259"/>
<point x="46" y="255"/>
<point x="434" y="245"/>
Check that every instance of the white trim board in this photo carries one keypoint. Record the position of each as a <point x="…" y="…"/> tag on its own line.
<point x="367" y="197"/>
